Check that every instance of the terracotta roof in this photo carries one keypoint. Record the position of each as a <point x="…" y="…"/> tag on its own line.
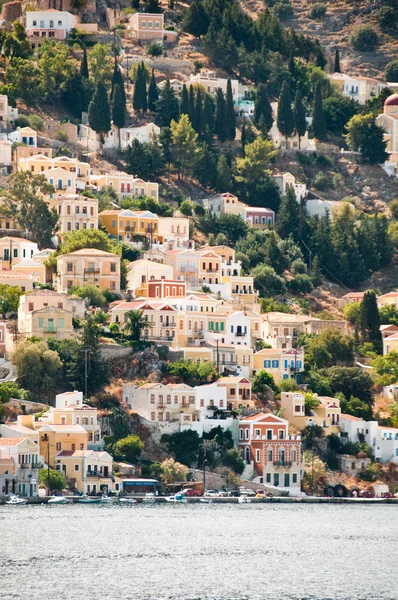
<point x="233" y="380"/>
<point x="10" y="441"/>
<point x="89" y="252"/>
<point x="350" y="417"/>
<point x="17" y="239"/>
<point x="15" y="274"/>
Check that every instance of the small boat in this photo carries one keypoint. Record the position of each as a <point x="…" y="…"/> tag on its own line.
<point x="206" y="501"/>
<point x="149" y="498"/>
<point x="105" y="499"/>
<point x="176" y="499"/>
<point x="127" y="501"/>
<point x="59" y="500"/>
<point x="244" y="500"/>
<point x="89" y="500"/>
<point x="16" y="501"/>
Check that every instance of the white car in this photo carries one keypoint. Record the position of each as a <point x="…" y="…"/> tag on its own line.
<point x="212" y="493"/>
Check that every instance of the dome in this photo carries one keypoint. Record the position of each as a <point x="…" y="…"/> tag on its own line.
<point x="363" y="454"/>
<point x="392" y="100"/>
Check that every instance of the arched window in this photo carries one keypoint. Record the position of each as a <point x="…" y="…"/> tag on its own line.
<point x="247" y="455"/>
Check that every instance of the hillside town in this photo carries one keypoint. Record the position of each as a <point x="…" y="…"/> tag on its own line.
<point x="198" y="248"/>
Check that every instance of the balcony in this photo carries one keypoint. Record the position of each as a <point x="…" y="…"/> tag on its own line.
<point x="29" y="466"/>
<point x="282" y="463"/>
<point x="215" y="271"/>
<point x="188" y="269"/>
<point x="161" y="406"/>
<point x="94" y="474"/>
<point x="50" y="330"/>
<point x="155" y="338"/>
<point x="91" y="271"/>
<point x="240" y="333"/>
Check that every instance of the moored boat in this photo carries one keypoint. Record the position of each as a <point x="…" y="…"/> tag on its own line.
<point x="149" y="498"/>
<point x="89" y="500"/>
<point x="127" y="501"/>
<point x="59" y="500"/>
<point x="176" y="499"/>
<point x="105" y="499"/>
<point x="244" y="499"/>
<point x="16" y="501"/>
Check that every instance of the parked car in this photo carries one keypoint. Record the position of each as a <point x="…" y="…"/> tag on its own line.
<point x="190" y="492"/>
<point x="212" y="493"/>
<point x="247" y="492"/>
<point x="233" y="493"/>
<point x="223" y="494"/>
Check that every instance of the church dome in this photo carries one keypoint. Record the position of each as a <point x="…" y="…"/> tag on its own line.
<point x="391" y="105"/>
<point x="391" y="100"/>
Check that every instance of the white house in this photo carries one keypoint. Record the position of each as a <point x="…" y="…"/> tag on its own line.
<point x="49" y="23"/>
<point x="293" y="141"/>
<point x="5" y="153"/>
<point x="8" y="114"/>
<point x="382" y="440"/>
<point x="142" y="271"/>
<point x="283" y="180"/>
<point x="240" y="93"/>
<point x="24" y="135"/>
<point x="358" y="88"/>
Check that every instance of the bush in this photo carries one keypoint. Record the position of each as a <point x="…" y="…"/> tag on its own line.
<point x="298" y="266"/>
<point x="155" y="49"/>
<point x="301" y="284"/>
<point x="21" y="121"/>
<point x="186" y="208"/>
<point x="391" y="71"/>
<point x="61" y="135"/>
<point x="36" y="122"/>
<point x="283" y="10"/>
<point x="317" y="11"/>
<point x="321" y="181"/>
<point x="365" y="39"/>
<point x="387" y="17"/>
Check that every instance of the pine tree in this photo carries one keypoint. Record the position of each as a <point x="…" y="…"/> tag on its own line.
<point x="153" y="95"/>
<point x="184" y="101"/>
<point x="168" y="108"/>
<point x="84" y="72"/>
<point x="208" y="114"/>
<point x="288" y="219"/>
<point x="191" y="106"/>
<point x="300" y="122"/>
<point x="220" y="126"/>
<point x="206" y="166"/>
<point x="263" y="109"/>
<point x="318" y="115"/>
<point x="99" y="113"/>
<point x="336" y="68"/>
<point x="285" y="118"/>
<point x="166" y="141"/>
<point x="196" y="21"/>
<point x="117" y="79"/>
<point x="199" y="117"/>
<point x="373" y="148"/>
<point x="369" y="319"/>
<point x="184" y="148"/>
<point x="230" y="112"/>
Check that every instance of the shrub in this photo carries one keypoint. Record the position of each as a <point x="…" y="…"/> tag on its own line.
<point x="386" y="17"/>
<point x="21" y="121"/>
<point x="324" y="161"/>
<point x="199" y="210"/>
<point x="321" y="181"/>
<point x="364" y="38"/>
<point x="391" y="71"/>
<point x="155" y="49"/>
<point x="283" y="10"/>
<point x="61" y="135"/>
<point x="301" y="284"/>
<point x="317" y="11"/>
<point x="298" y="266"/>
<point x="36" y="122"/>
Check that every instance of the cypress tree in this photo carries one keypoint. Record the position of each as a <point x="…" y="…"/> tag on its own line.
<point x="292" y="65"/>
<point x="288" y="219"/>
<point x="184" y="101"/>
<point x="208" y="114"/>
<point x="168" y="108"/>
<point x="316" y="273"/>
<point x="224" y="174"/>
<point x="117" y="79"/>
<point x="153" y="95"/>
<point x="196" y="20"/>
<point x="318" y="116"/>
<point x="84" y="65"/>
<point x="230" y="112"/>
<point x="369" y="319"/>
<point x="300" y="123"/>
<point x="262" y="108"/>
<point x="143" y="89"/>
<point x="99" y="113"/>
<point x="220" y="126"/>
<point x="199" y="116"/>
<point x="118" y="109"/>
<point x="243" y="135"/>
<point x="191" y="106"/>
<point x="285" y="118"/>
<point x="137" y="95"/>
<point x="336" y="68"/>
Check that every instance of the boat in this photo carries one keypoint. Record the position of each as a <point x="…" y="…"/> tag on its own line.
<point x="127" y="501"/>
<point x="16" y="501"/>
<point x="105" y="499"/>
<point x="176" y="499"/>
<point x="206" y="501"/>
<point x="149" y="498"/>
<point x="89" y="500"/>
<point x="59" y="500"/>
<point x="244" y="500"/>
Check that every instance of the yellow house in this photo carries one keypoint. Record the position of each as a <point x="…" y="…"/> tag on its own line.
<point x="88" y="265"/>
<point x="126" y="185"/>
<point x="238" y="392"/>
<point x="128" y="225"/>
<point x="88" y="470"/>
<point x="161" y="316"/>
<point x="390" y="343"/>
<point x="75" y="212"/>
<point x="49" y="322"/>
<point x="32" y="266"/>
<point x="209" y="267"/>
<point x="58" y="438"/>
<point x="327" y="415"/>
<point x="41" y="163"/>
<point x="280" y="363"/>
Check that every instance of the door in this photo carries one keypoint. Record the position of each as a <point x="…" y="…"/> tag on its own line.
<point x="106" y="471"/>
<point x="60" y="184"/>
<point x="286" y="480"/>
<point x="51" y="325"/>
<point x="276" y="479"/>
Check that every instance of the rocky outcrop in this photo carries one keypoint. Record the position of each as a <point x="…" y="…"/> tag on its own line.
<point x="141" y="365"/>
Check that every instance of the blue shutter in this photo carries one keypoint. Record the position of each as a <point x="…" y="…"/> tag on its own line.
<point x="298" y="364"/>
<point x="286" y="364"/>
<point x="267" y="364"/>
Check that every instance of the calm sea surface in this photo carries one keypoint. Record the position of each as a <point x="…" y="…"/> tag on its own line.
<point x="199" y="552"/>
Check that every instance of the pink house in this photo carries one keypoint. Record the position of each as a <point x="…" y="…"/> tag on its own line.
<point x="259" y="218"/>
<point x="150" y="26"/>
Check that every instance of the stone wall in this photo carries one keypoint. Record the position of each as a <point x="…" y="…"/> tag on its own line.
<point x="26" y="151"/>
<point x="11" y="11"/>
<point x="51" y="128"/>
<point x="112" y="351"/>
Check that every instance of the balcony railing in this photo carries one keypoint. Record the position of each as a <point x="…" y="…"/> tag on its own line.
<point x="188" y="269"/>
<point x="282" y="463"/>
<point x="94" y="474"/>
<point x="91" y="271"/>
<point x="29" y="465"/>
<point x="50" y="329"/>
<point x="240" y="333"/>
<point x="212" y="271"/>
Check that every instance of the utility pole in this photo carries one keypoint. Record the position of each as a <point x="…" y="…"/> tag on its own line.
<point x="48" y="466"/>
<point x="204" y="469"/>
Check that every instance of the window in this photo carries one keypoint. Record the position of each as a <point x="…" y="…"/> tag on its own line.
<point x="202" y="403"/>
<point x="281" y="434"/>
<point x="157" y="25"/>
<point x="69" y="267"/>
<point x="152" y="398"/>
<point x="247" y="433"/>
<point x="41" y="323"/>
<point x="150" y="24"/>
<point x="240" y="430"/>
<point x="15" y="253"/>
<point x="294" y="478"/>
<point x="297" y="408"/>
<point x="61" y="323"/>
<point x="257" y="456"/>
<point x="77" y="468"/>
<point x="31" y="306"/>
<point x="269" y="434"/>
<point x="152" y="416"/>
<point x="58" y="446"/>
<point x="113" y="222"/>
<point x="168" y="399"/>
<point x="143" y="24"/>
<point x="267" y="364"/>
<point x="268" y="478"/>
<point x="275" y="364"/>
<point x="270" y="455"/>
<point x="113" y="267"/>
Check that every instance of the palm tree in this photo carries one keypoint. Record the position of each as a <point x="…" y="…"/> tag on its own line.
<point x="135" y="323"/>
